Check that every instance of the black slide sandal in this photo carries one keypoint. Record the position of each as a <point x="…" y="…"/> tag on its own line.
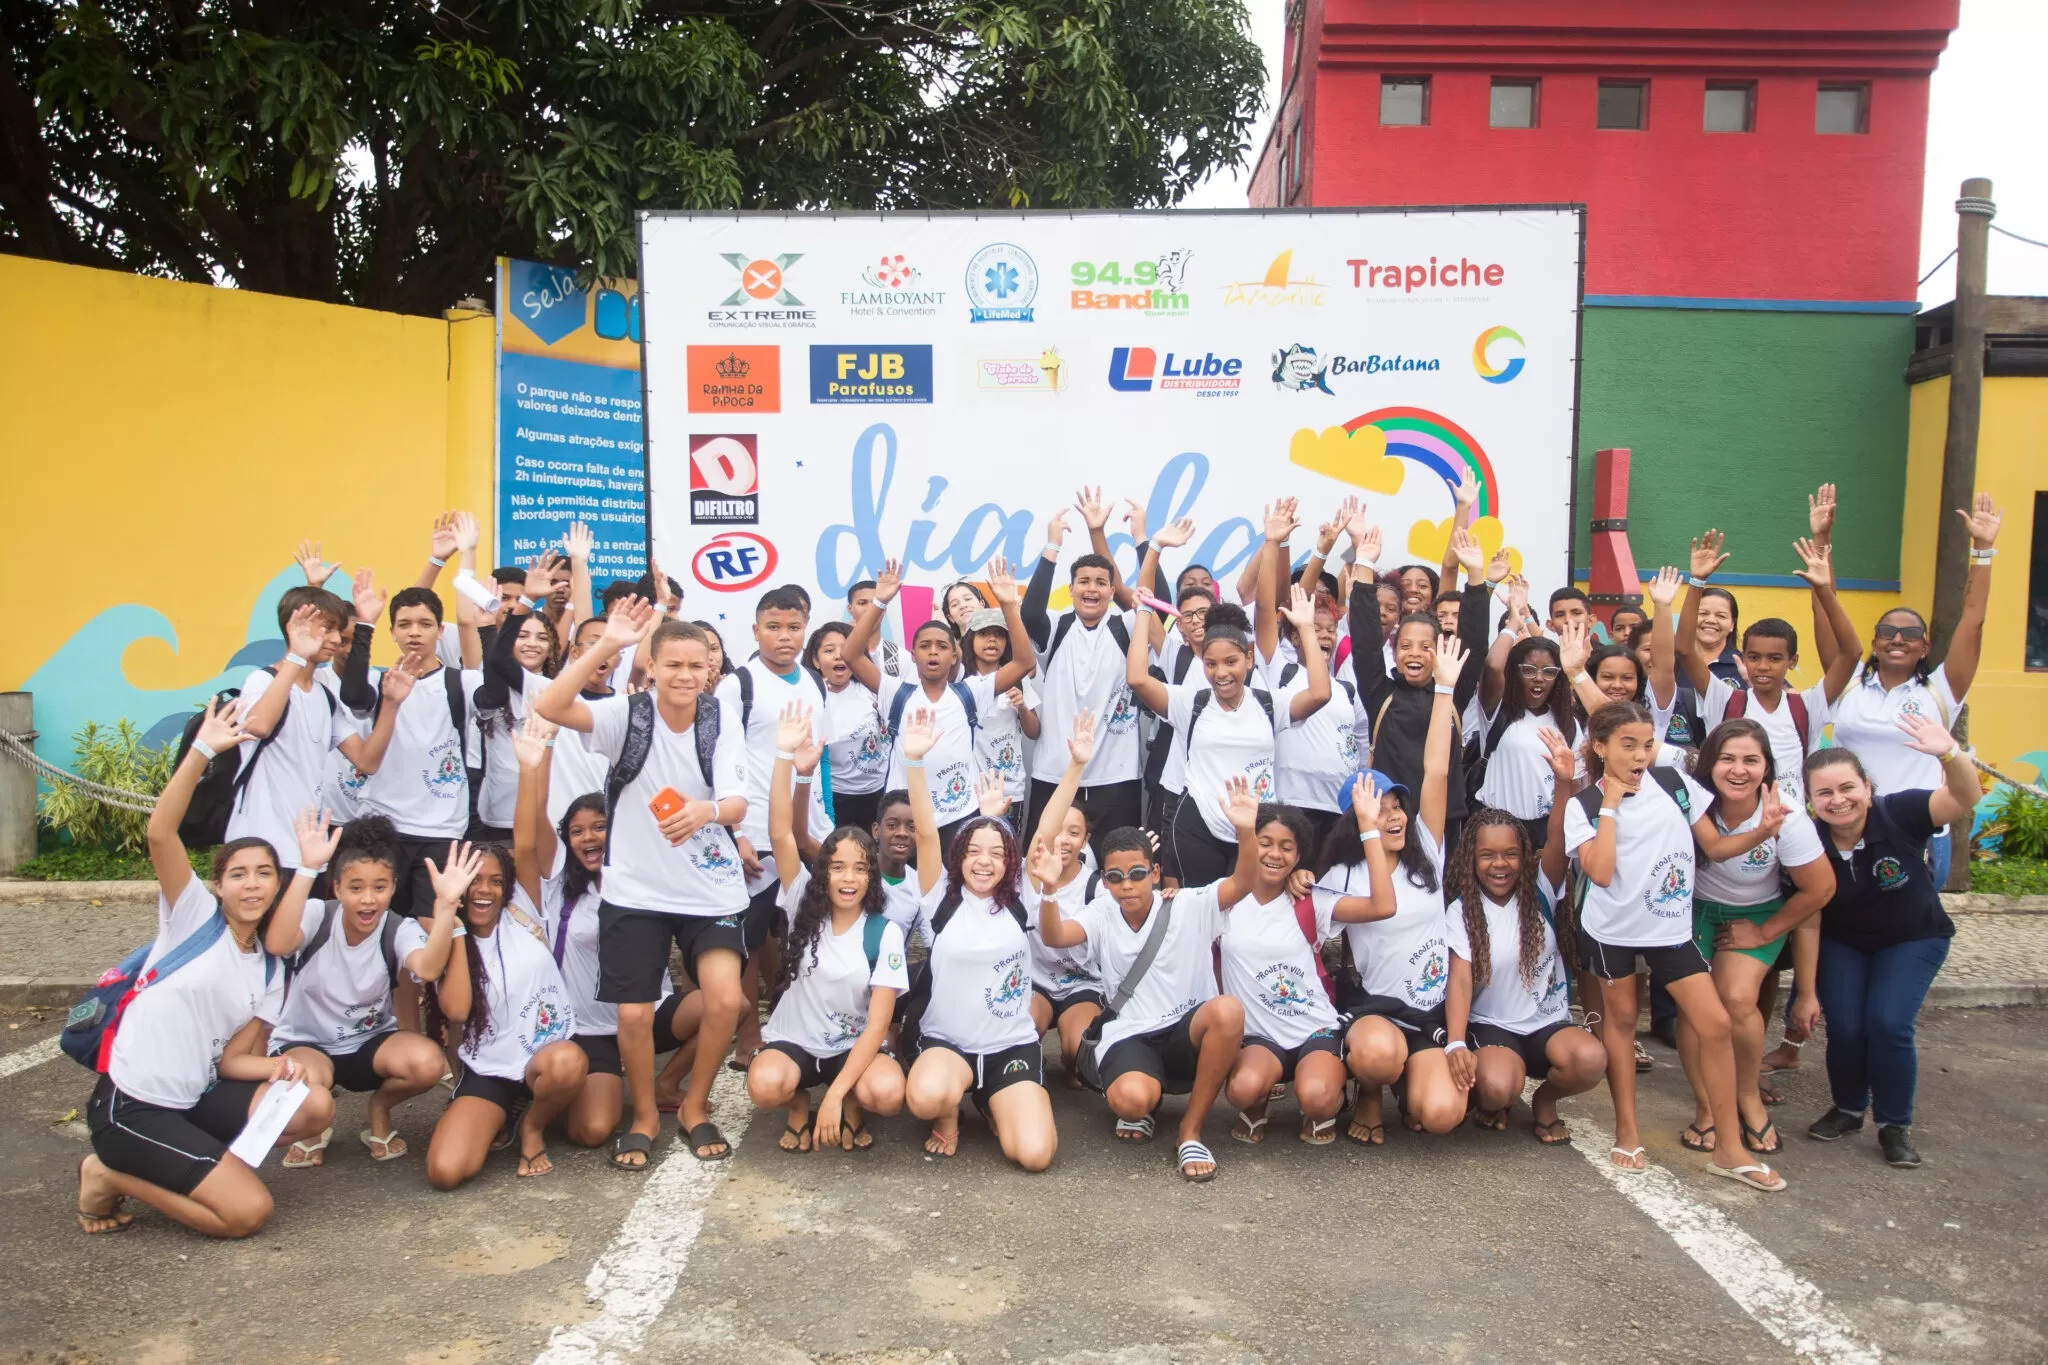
<point x="707" y="1135"/>
<point x="633" y="1142"/>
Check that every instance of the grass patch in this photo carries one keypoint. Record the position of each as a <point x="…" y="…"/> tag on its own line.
<point x="60" y="862"/>
<point x="2010" y="877"/>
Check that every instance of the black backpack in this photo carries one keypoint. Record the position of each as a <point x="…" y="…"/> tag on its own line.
<point x="220" y="786"/>
<point x="901" y="702"/>
<point x="1202" y="700"/>
<point x="1667" y="778"/>
<point x="911" y="1005"/>
<point x="387" y="940"/>
<point x="640" y="721"/>
<point x="1117" y="632"/>
<point x="1155" y="757"/>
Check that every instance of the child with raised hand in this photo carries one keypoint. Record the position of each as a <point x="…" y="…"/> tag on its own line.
<point x="1066" y="988"/>
<point x="843" y="967"/>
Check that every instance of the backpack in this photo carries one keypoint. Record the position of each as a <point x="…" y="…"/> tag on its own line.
<point x="220" y="786"/>
<point x="961" y="692"/>
<point x="89" y="1029"/>
<point x="910" y="1005"/>
<point x="640" y="720"/>
<point x="387" y="941"/>
<point x="871" y="938"/>
<point x="1202" y="700"/>
<point x="1738" y="702"/>
<point x="1670" y="781"/>
<point x="1117" y="632"/>
<point x="1155" y="756"/>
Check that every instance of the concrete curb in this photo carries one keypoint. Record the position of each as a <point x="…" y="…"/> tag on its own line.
<point x="1971" y="903"/>
<point x="17" y="892"/>
<point x="31" y="992"/>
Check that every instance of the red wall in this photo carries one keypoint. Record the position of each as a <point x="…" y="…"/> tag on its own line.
<point x="1778" y="213"/>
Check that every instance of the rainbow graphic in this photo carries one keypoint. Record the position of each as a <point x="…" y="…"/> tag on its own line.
<point x="1437" y="444"/>
<point x="1485" y="366"/>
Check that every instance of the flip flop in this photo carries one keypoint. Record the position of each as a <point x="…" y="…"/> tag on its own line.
<point x="1753" y="1138"/>
<point x="1135" y="1130"/>
<point x="118" y="1218"/>
<point x="1770" y="1094"/>
<point x="633" y="1142"/>
<point x="1188" y="1155"/>
<point x="1318" y="1132"/>
<point x="1694" y="1138"/>
<point x="1248" y="1130"/>
<point x="1492" y="1120"/>
<point x="393" y="1145"/>
<point x="1751" y="1176"/>
<point x="707" y="1135"/>
<point x="1375" y="1134"/>
<point x="949" y="1143"/>
<point x="855" y="1137"/>
<point x="1629" y="1153"/>
<point x="802" y="1136"/>
<point x="1643" y="1062"/>
<point x="1553" y="1133"/>
<point x="305" y="1151"/>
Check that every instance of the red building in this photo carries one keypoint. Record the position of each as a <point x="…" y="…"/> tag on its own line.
<point x="1752" y="174"/>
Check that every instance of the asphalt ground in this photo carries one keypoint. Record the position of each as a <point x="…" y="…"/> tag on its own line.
<point x="1478" y="1246"/>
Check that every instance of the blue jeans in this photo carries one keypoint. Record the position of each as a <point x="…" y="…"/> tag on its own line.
<point x="1870" y="1001"/>
<point x="1938" y="850"/>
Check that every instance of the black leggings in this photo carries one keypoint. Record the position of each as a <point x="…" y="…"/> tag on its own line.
<point x="1199" y="855"/>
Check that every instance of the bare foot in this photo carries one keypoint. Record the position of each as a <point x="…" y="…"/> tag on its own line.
<point x="1784" y="1057"/>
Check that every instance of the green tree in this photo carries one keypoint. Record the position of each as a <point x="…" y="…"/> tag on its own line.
<point x="381" y="152"/>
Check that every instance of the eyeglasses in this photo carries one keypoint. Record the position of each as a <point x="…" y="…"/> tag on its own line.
<point x="1912" y="635"/>
<point x="1195" y="614"/>
<point x="1543" y="671"/>
<point x="1117" y="876"/>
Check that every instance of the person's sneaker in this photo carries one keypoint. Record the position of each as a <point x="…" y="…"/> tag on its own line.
<point x="1897" y="1151"/>
<point x="1834" y="1124"/>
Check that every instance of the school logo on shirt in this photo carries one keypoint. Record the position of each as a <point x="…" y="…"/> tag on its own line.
<point x="1669" y="893"/>
<point x="842" y="1028"/>
<point x="1890" y="874"/>
<point x="546" y="1022"/>
<point x="1259" y="773"/>
<point x="444" y="775"/>
<point x="895" y="961"/>
<point x="1283" y="990"/>
<point x="352" y="784"/>
<point x="1003" y="756"/>
<point x="1679" y="731"/>
<point x="1553" y="994"/>
<point x="1432" y="972"/>
<point x="708" y="855"/>
<point x="954" y="789"/>
<point x="1347" y="746"/>
<point x="873" y="751"/>
<point x="1761" y="857"/>
<point x="1123" y="716"/>
<point x="363" y="1021"/>
<point x="1013" y="985"/>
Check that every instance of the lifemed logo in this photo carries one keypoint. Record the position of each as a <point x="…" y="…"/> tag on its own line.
<point x="763" y="297"/>
<point x="1136" y="369"/>
<point x="1484" y="365"/>
<point x="734" y="561"/>
<point x="1002" y="279"/>
<point x="725" y="481"/>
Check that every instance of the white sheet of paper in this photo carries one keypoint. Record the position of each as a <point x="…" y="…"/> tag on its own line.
<point x="261" y="1132"/>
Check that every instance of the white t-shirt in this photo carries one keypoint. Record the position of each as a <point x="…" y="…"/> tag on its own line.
<point x="286" y="776"/>
<point x="1518" y="777"/>
<point x="1314" y="758"/>
<point x="949" y="768"/>
<point x="1506" y="1001"/>
<point x="173" y="1033"/>
<point x="903" y="903"/>
<point x="1407" y="956"/>
<point x="1786" y="750"/>
<point x="1649" y="904"/>
<point x="1225" y="743"/>
<point x="643" y="871"/>
<point x="1087" y="673"/>
<point x="1752" y="878"/>
<point x="825" y="1009"/>
<point x="771" y="694"/>
<point x="1269" y="965"/>
<point x="574" y="770"/>
<point x="341" y="998"/>
<point x="1059" y="972"/>
<point x="422" y="786"/>
<point x="527" y="1000"/>
<point x="1181" y="977"/>
<point x="1866" y="719"/>
<point x="499" y="791"/>
<point x="857" y="744"/>
<point x="981" y="978"/>
<point x="577" y="956"/>
<point x="999" y="744"/>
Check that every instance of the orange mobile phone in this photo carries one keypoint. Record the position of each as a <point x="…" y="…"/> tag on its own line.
<point x="666" y="803"/>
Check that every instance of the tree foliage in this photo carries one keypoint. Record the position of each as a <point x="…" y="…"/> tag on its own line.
<point x="381" y="152"/>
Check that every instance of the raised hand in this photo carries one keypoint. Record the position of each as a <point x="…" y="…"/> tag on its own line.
<point x="792" y="727"/>
<point x="1563" y="762"/>
<point x="1471" y="554"/>
<point x="530" y="743"/>
<point x="807" y="755"/>
<point x="1045" y="863"/>
<point x="1772" y="811"/>
<point x="1354" y="520"/>
<point x="578" y="543"/>
<point x="1927" y="735"/>
<point x="665" y="597"/>
<point x="304" y="634"/>
<point x="1002" y="583"/>
<point x="1365" y="543"/>
<point x="1500" y="566"/>
<point x="466" y="533"/>
<point x="1081" y="738"/>
<point x="1175" y="534"/>
<point x="920" y="732"/>
<point x="1665" y="584"/>
<point x="396" y="684"/>
<point x="369" y="599"/>
<point x="1134" y="517"/>
<point x="1707" y="554"/>
<point x="452" y="877"/>
<point x="1820" y="512"/>
<point x="1365" y="807"/>
<point x="540" y="576"/>
<point x="1518" y="596"/>
<point x="626" y="622"/>
<point x="1089" y="503"/>
<point x="220" y="730"/>
<point x="1450" y="660"/>
<point x="316" y="569"/>
<point x="1056" y="529"/>
<point x="1015" y="696"/>
<point x="1819" y="571"/>
<point x="1983" y="520"/>
<point x="441" y="540"/>
<point x="1279" y="519"/>
<point x="990" y="796"/>
<point x="1465" y="492"/>
<point x="889" y="581"/>
<point x="1300" y="610"/>
<point x="1242" y="807"/>
<point x="1574" y="647"/>
<point x="318" y="837"/>
<point x="1327" y="533"/>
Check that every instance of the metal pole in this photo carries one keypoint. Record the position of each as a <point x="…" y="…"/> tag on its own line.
<point x="17" y="786"/>
<point x="1965" y="405"/>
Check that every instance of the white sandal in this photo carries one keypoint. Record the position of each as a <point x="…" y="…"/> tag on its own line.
<point x="393" y="1145"/>
<point x="1254" y="1130"/>
<point x="1134" y="1130"/>
<point x="1630" y="1153"/>
<point x="1750" y="1176"/>
<point x="1188" y="1155"/>
<point x="300" y="1155"/>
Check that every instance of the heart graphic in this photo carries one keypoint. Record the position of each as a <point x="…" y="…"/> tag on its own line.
<point x="1358" y="458"/>
<point x="1427" y="540"/>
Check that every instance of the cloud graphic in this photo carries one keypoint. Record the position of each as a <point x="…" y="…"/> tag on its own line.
<point x="1427" y="540"/>
<point x="1358" y="458"/>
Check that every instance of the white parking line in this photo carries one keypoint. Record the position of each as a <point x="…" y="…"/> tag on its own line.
<point x="35" y="1054"/>
<point x="1787" y="1306"/>
<point x="637" y="1273"/>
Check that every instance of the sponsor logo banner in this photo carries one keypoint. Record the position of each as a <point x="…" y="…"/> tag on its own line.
<point x="1002" y="279"/>
<point x="1043" y="373"/>
<point x="871" y="374"/>
<point x="735" y="378"/>
<point x="761" y="294"/>
<point x="725" y="481"/>
<point x="892" y="286"/>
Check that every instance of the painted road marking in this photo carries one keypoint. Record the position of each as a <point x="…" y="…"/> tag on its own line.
<point x="1787" y="1306"/>
<point x="35" y="1054"/>
<point x="637" y="1273"/>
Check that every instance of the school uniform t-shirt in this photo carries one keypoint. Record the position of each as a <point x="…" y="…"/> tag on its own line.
<point x="825" y="1010"/>
<point x="1086" y="673"/>
<point x="981" y="977"/>
<point x="856" y="743"/>
<point x="1787" y="751"/>
<point x="1649" y="902"/>
<point x="1314" y="758"/>
<point x="701" y="876"/>
<point x="1506" y="1001"/>
<point x="1180" y="978"/>
<point x="1752" y="878"/>
<point x="576" y="955"/>
<point x="341" y="998"/>
<point x="574" y="770"/>
<point x="1518" y="777"/>
<point x="173" y="1032"/>
<point x="1405" y="957"/>
<point x="949" y="768"/>
<point x="527" y="1001"/>
<point x="772" y="692"/>
<point x="1223" y="743"/>
<point x="1270" y="966"/>
<point x="1059" y="972"/>
<point x="285" y="778"/>
<point x="999" y="744"/>
<point x="498" y="791"/>
<point x="422" y="786"/>
<point x="1867" y="717"/>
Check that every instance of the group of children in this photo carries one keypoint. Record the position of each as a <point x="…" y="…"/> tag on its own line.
<point x="1388" y="836"/>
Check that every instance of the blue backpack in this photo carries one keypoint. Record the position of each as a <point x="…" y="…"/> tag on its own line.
<point x="88" y="1035"/>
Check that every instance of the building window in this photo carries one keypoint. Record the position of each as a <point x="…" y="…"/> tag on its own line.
<point x="1512" y="104"/>
<point x="1623" y="104"/>
<point x="1295" y="138"/>
<point x="1842" y="109"/>
<point x="1404" y="101"/>
<point x="1731" y="107"/>
<point x="2037" y="589"/>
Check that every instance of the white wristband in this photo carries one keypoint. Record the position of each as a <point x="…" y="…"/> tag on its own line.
<point x="204" y="750"/>
<point x="1956" y="752"/>
<point x="1697" y="581"/>
<point x="1609" y="813"/>
<point x="437" y="562"/>
<point x="310" y="873"/>
<point x="1368" y="835"/>
<point x="1445" y="690"/>
<point x="1454" y="1045"/>
<point x="1581" y="677"/>
<point x="295" y="659"/>
<point x="785" y="755"/>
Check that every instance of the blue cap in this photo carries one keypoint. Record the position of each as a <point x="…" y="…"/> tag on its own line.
<point x="1379" y="783"/>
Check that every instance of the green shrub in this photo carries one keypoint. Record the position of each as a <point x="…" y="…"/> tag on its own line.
<point x="2019" y="821"/>
<point x="56" y="861"/>
<point x="116" y="758"/>
<point x="2009" y="877"/>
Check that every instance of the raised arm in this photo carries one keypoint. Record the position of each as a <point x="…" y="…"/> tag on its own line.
<point x="1960" y="791"/>
<point x="218" y="732"/>
<point x="1820" y="525"/>
<point x="1465" y="493"/>
<point x="1707" y="556"/>
<point x="1564" y="779"/>
<point x="356" y="693"/>
<point x="1493" y="682"/>
<point x="1573" y="650"/>
<point x="1381" y="903"/>
<point x="1663" y="679"/>
<point x="1368" y="656"/>
<point x="1474" y="629"/>
<point x="561" y="701"/>
<point x="920" y="732"/>
<point x="1436" y="745"/>
<point x="1036" y="619"/>
<point x="1243" y="809"/>
<point x="1966" y="645"/>
<point x="533" y="838"/>
<point x="316" y="568"/>
<point x="1150" y="692"/>
<point x="469" y="641"/>
<point x="1265" y="600"/>
<point x="792" y="732"/>
<point x="302" y="639"/>
<point x="578" y="544"/>
<point x="1721" y="847"/>
<point x="451" y="883"/>
<point x="1301" y="611"/>
<point x="1054" y="929"/>
<point x="1279" y="522"/>
<point x="1828" y="616"/>
<point x="1023" y="658"/>
<point x="1326" y="541"/>
<point x="1080" y="748"/>
<point x="858" y="651"/>
<point x="367" y="752"/>
<point x="317" y="839"/>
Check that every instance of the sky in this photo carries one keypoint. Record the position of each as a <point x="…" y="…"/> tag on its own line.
<point x="1984" y="121"/>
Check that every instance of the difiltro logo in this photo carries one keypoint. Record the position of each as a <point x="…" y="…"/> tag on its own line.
<point x="1406" y="278"/>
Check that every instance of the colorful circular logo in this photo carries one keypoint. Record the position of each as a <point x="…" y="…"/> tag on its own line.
<point x="761" y="279"/>
<point x="1485" y="367"/>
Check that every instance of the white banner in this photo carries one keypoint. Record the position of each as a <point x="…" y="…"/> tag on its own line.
<point x="825" y="391"/>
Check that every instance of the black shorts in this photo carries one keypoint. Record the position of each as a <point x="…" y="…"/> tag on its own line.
<point x="510" y="1096"/>
<point x="994" y="1071"/>
<point x="355" y="1071"/>
<point x="413" y="895"/>
<point x="1425" y="1029"/>
<point x="173" y="1149"/>
<point x="1612" y="962"/>
<point x="1202" y="858"/>
<point x="1062" y="1003"/>
<point x="811" y="1069"/>
<point x="632" y="948"/>
<point x="763" y="919"/>
<point x="601" y="1050"/>
<point x="1167" y="1055"/>
<point x="1328" y="1040"/>
<point x="1532" y="1048"/>
<point x="481" y="833"/>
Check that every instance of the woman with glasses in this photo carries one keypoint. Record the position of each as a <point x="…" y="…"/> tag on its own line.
<point x="1525" y="693"/>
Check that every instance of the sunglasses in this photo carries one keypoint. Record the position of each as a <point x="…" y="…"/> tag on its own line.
<point x="1910" y="634"/>
<point x="1543" y="671"/>
<point x="1116" y="876"/>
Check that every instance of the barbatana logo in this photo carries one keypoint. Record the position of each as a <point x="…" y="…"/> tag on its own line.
<point x="893" y="291"/>
<point x="1002" y="279"/>
<point x="735" y="378"/>
<point x="725" y="481"/>
<point x="763" y="297"/>
<point x="1298" y="368"/>
<point x="871" y="374"/>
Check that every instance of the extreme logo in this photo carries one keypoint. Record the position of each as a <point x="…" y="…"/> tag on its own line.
<point x="762" y="297"/>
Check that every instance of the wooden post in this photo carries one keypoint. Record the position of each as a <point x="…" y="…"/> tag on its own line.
<point x="1612" y="581"/>
<point x="17" y="785"/>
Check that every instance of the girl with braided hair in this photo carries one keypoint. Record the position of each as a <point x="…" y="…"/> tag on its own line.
<point x="1507" y="1009"/>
